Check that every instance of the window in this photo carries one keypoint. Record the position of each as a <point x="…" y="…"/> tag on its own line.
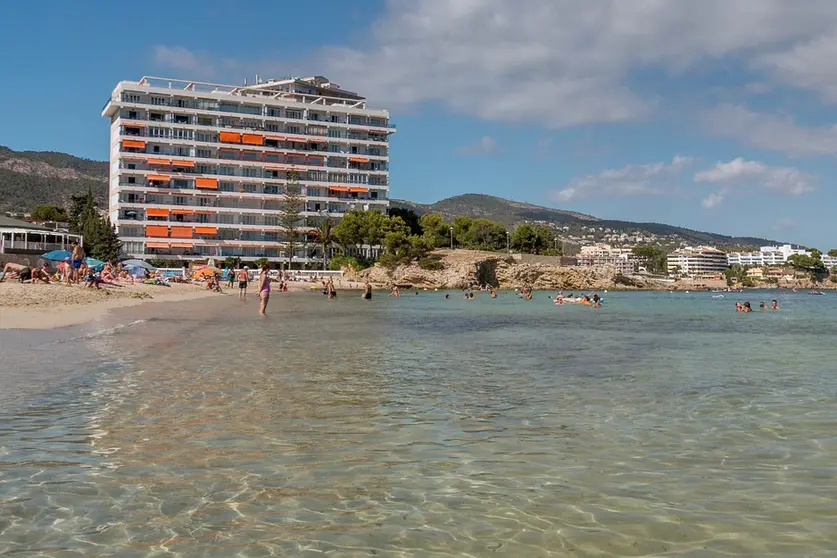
<point x="338" y="118"/>
<point x="183" y="103"/>
<point x="272" y="127"/>
<point x="204" y="153"/>
<point x="132" y="180"/>
<point x="181" y="119"/>
<point x="156" y="149"/>
<point x="132" y="166"/>
<point x="334" y="133"/>
<point x="132" y="114"/>
<point x="275" y="112"/>
<point x="155" y="117"/>
<point x="158" y="101"/>
<point x="293" y="129"/>
<point x="296" y="114"/>
<point x="373" y="194"/>
<point x="131" y="98"/>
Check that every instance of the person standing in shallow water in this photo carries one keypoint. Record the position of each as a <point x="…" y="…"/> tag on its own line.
<point x="264" y="290"/>
<point x="367" y="290"/>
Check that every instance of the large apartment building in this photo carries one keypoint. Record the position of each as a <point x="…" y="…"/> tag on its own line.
<point x="697" y="262"/>
<point x="199" y="170"/>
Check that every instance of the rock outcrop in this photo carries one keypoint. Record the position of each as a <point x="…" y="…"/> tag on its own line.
<point x="464" y="268"/>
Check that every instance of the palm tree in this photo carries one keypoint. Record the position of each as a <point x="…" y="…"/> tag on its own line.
<point x="325" y="237"/>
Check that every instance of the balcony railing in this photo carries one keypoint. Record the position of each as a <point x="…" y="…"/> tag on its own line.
<point x="228" y="108"/>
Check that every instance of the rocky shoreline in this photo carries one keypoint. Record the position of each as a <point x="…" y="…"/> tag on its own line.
<point x="462" y="269"/>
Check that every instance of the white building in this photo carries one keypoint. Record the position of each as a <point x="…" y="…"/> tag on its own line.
<point x="696" y="261"/>
<point x="28" y="239"/>
<point x="198" y="170"/>
<point x="830" y="262"/>
<point x="767" y="255"/>
<point x="604" y="254"/>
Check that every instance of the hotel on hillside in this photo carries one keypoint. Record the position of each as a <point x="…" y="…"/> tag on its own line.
<point x="198" y="170"/>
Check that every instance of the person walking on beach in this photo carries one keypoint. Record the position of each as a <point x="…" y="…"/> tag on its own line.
<point x="332" y="294"/>
<point x="264" y="290"/>
<point x="243" y="281"/>
<point x="231" y="278"/>
<point x="77" y="260"/>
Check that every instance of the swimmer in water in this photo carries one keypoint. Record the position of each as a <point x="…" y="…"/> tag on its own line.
<point x="774" y="305"/>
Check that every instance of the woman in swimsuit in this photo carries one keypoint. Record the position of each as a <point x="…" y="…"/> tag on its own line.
<point x="264" y="290"/>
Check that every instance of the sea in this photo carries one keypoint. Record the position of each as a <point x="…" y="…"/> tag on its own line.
<point x="661" y="424"/>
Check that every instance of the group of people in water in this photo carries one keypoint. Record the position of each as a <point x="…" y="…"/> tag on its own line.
<point x="745" y="307"/>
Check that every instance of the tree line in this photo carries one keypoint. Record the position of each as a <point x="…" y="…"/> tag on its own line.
<point x="404" y="236"/>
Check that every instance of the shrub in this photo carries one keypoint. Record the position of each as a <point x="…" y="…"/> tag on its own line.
<point x="431" y="264"/>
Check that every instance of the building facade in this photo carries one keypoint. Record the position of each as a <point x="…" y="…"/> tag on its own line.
<point x="604" y="254"/>
<point x="199" y="170"/>
<point x="767" y="255"/>
<point x="696" y="262"/>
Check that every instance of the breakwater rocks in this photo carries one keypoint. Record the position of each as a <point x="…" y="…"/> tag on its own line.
<point x="460" y="269"/>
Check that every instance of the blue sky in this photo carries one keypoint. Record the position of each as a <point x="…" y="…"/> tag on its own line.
<point x="715" y="115"/>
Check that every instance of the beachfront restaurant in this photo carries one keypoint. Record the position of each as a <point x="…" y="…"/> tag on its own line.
<point x="25" y="238"/>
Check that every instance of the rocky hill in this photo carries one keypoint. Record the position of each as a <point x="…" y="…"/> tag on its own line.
<point x="511" y="212"/>
<point x="30" y="178"/>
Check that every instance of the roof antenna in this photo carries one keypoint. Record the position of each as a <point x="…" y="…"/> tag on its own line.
<point x="245" y="82"/>
<point x="258" y="82"/>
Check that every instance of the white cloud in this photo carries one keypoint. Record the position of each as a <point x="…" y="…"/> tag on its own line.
<point x="183" y="60"/>
<point x="632" y="180"/>
<point x="772" y="132"/>
<point x="712" y="200"/>
<point x="484" y="146"/>
<point x="740" y="173"/>
<point x="809" y="64"/>
<point x="561" y="62"/>
<point x="190" y="64"/>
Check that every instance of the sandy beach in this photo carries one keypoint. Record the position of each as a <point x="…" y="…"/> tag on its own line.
<point x="41" y="306"/>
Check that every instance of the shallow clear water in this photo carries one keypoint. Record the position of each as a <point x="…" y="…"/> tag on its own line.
<point x="659" y="425"/>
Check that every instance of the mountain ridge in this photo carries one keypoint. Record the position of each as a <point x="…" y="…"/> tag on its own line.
<point x="30" y="178"/>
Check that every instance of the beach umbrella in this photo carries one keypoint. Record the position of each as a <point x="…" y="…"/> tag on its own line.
<point x="57" y="255"/>
<point x="138" y="263"/>
<point x="93" y="262"/>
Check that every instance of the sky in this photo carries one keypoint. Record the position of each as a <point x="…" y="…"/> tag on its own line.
<point x="718" y="115"/>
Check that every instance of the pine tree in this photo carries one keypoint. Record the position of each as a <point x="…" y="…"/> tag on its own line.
<point x="291" y="213"/>
<point x="108" y="246"/>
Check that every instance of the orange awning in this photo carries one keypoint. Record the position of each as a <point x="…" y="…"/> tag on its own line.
<point x="135" y="144"/>
<point x="358" y="159"/>
<point x="182" y="212"/>
<point x="133" y="125"/>
<point x="156" y="212"/>
<point x="275" y="138"/>
<point x="156" y="230"/>
<point x="182" y="244"/>
<point x="206" y="230"/>
<point x="357" y="189"/>
<point x="182" y="163"/>
<point x="159" y="177"/>
<point x="338" y="188"/>
<point x="211" y="183"/>
<point x="181" y="232"/>
<point x="298" y="140"/>
<point x="229" y="137"/>
<point x="252" y="139"/>
<point x="275" y="168"/>
<point x="159" y="162"/>
<point x="156" y="244"/>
